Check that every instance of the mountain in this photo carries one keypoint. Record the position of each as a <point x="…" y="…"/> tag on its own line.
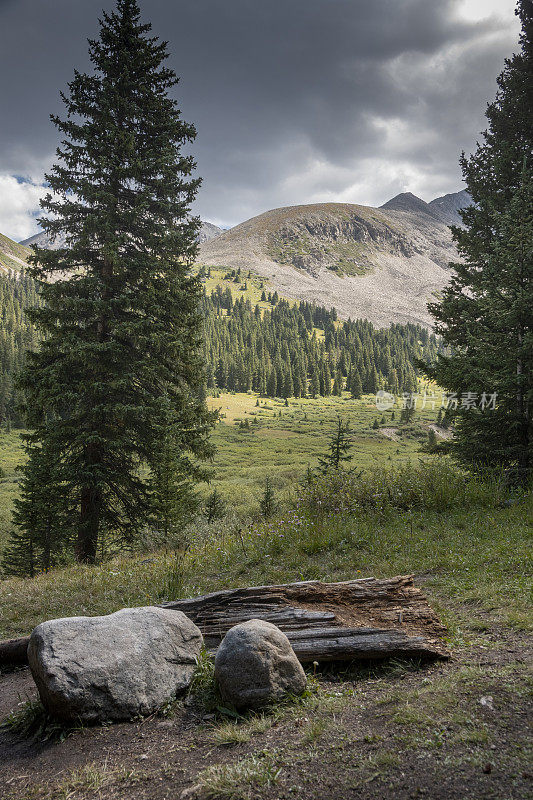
<point x="384" y="264"/>
<point x="41" y="240"/>
<point x="406" y="201"/>
<point x="207" y="232"/>
<point x="12" y="254"/>
<point x="448" y="205"/>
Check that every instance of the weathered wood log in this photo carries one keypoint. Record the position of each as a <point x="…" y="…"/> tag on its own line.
<point x="14" y="651"/>
<point x="365" y="618"/>
<point x="359" y="619"/>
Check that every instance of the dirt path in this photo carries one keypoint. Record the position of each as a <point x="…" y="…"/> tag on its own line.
<point x="442" y="433"/>
<point x="451" y="730"/>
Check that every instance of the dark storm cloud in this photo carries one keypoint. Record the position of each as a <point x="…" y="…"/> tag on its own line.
<point x="294" y="100"/>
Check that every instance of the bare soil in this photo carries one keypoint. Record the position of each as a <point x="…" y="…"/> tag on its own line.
<point x="457" y="729"/>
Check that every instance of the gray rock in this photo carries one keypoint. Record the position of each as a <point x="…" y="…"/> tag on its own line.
<point x="255" y="664"/>
<point x="99" y="669"/>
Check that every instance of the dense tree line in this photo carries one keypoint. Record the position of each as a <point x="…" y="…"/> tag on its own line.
<point x="302" y="350"/>
<point x="17" y="335"/>
<point x="285" y="351"/>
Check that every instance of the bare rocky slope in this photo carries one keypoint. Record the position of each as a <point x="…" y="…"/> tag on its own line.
<point x="384" y="264"/>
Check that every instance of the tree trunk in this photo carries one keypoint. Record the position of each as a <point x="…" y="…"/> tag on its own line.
<point x="359" y="619"/>
<point x="88" y="528"/>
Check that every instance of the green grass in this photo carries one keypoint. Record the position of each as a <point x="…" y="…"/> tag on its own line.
<point x="235" y="781"/>
<point x="471" y="549"/>
<point x="474" y="561"/>
<point x="8" y="249"/>
<point x="11" y="455"/>
<point x="283" y="446"/>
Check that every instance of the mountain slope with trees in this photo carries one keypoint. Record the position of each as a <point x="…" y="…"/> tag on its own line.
<point x="381" y="264"/>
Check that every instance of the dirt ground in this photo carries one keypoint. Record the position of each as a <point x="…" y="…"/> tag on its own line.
<point x="457" y="729"/>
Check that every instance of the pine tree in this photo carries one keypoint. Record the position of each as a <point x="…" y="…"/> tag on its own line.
<point x="339" y="448"/>
<point x="122" y="347"/>
<point x="41" y="514"/>
<point x="485" y="314"/>
<point x="267" y="503"/>
<point x="173" y="500"/>
<point x="215" y="506"/>
<point x="356" y="387"/>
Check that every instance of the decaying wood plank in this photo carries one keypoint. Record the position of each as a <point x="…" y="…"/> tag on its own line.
<point x="365" y="618"/>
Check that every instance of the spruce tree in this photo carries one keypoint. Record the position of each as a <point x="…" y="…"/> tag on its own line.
<point x="267" y="503"/>
<point x="356" y="387"/>
<point x="173" y="500"/>
<point x="339" y="448"/>
<point x="215" y="506"/>
<point x="41" y="514"/>
<point x="485" y="314"/>
<point x="122" y="347"/>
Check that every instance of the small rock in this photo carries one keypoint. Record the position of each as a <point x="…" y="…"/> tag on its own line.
<point x="255" y="664"/>
<point x="126" y="664"/>
<point x="487" y="702"/>
<point x="192" y="792"/>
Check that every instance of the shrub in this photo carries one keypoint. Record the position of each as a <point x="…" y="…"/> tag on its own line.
<point x="427" y="485"/>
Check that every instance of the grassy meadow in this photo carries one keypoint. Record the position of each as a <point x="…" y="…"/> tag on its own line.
<point x="359" y="728"/>
<point x="281" y="442"/>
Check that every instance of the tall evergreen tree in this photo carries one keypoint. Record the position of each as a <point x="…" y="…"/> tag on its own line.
<point x="121" y="351"/>
<point x="485" y="314"/>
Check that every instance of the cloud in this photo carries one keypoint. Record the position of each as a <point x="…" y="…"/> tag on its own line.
<point x="295" y="101"/>
<point x="19" y="204"/>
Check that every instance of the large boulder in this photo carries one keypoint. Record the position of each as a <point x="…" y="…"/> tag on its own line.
<point x="255" y="664"/>
<point x="99" y="669"/>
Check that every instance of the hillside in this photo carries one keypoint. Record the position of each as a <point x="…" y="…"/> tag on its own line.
<point x="383" y="264"/>
<point x="12" y="254"/>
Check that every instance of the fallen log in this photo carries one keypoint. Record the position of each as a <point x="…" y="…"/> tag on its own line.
<point x="359" y="619"/>
<point x="14" y="651"/>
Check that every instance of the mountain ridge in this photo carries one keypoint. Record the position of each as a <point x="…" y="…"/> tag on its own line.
<point x="207" y="232"/>
<point x="384" y="264"/>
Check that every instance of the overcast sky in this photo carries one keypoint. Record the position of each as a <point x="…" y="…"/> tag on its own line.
<point x="295" y="101"/>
